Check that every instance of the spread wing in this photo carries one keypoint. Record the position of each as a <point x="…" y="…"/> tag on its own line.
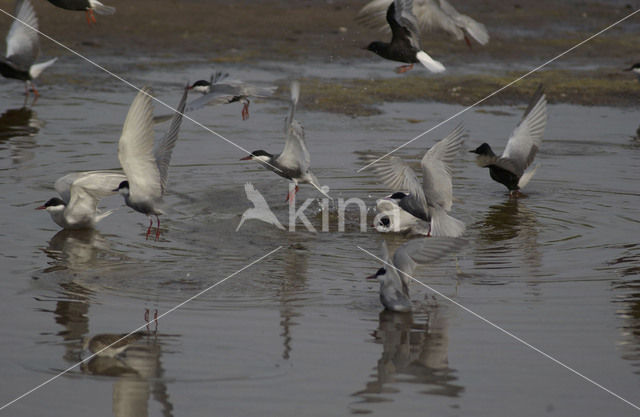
<point x="295" y="153"/>
<point x="475" y="29"/>
<point x="526" y="139"/>
<point x="398" y="176"/>
<point x="228" y="91"/>
<point x="403" y="22"/>
<point x="436" y="169"/>
<point x="22" y="41"/>
<point x="135" y="149"/>
<point x="88" y="188"/>
<point x="165" y="146"/>
<point x="424" y="250"/>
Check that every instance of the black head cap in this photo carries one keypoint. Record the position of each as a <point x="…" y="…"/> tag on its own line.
<point x="123" y="184"/>
<point x="634" y="66"/>
<point x="398" y="195"/>
<point x="375" y="47"/>
<point x="200" y="83"/>
<point x="379" y="272"/>
<point x="55" y="201"/>
<point x="483" y="149"/>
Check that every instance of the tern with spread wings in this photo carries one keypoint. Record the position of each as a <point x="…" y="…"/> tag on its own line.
<point x="87" y="5"/>
<point x="294" y="163"/>
<point x="394" y="275"/>
<point x="23" y="48"/>
<point x="432" y="199"/>
<point x="405" y="40"/>
<point x="146" y="168"/>
<point x="80" y="193"/>
<point x="526" y="139"/>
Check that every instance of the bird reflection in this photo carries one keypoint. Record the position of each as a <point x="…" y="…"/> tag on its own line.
<point x="293" y="283"/>
<point x="79" y="250"/>
<point x="21" y="124"/>
<point x="135" y="363"/>
<point x="507" y="227"/>
<point x="414" y="353"/>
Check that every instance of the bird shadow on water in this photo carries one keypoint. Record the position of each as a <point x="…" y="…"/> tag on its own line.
<point x="413" y="352"/>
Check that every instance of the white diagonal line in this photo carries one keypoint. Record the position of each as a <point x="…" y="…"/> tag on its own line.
<point x="116" y="76"/>
<point x="508" y="333"/>
<point x="171" y="310"/>
<point x="501" y="88"/>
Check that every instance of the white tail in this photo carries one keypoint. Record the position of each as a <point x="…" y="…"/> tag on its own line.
<point x="444" y="225"/>
<point x="431" y="64"/>
<point x="37" y="69"/>
<point x="526" y="177"/>
<point x="101" y="8"/>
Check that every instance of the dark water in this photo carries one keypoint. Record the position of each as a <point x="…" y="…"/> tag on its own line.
<point x="302" y="333"/>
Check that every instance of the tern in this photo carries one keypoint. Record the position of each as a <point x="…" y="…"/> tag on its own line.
<point x="405" y="41"/>
<point x="294" y="163"/>
<point x="430" y="14"/>
<point x="394" y="275"/>
<point x="635" y="68"/>
<point x="146" y="168"/>
<point x="431" y="200"/>
<point x="23" y="48"/>
<point x="81" y="192"/>
<point x="87" y="5"/>
<point x="392" y="217"/>
<point x="220" y="90"/>
<point x="526" y="139"/>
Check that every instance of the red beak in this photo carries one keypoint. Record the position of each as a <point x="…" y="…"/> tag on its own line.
<point x="41" y="208"/>
<point x="374" y="276"/>
<point x="246" y="158"/>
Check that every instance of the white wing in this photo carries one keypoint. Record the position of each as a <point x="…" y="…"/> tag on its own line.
<point x="424" y="250"/>
<point x="436" y="169"/>
<point x="398" y="176"/>
<point x="475" y="29"/>
<point x="88" y="189"/>
<point x="135" y="149"/>
<point x="526" y="139"/>
<point x="295" y="153"/>
<point x="165" y="147"/>
<point x="22" y="41"/>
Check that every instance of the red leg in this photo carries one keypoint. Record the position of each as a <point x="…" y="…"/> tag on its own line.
<point x="158" y="228"/>
<point x="404" y="68"/>
<point x="155" y="319"/>
<point x="467" y="40"/>
<point x="35" y="93"/>
<point x="245" y="111"/>
<point x="149" y="229"/>
<point x="91" y="18"/>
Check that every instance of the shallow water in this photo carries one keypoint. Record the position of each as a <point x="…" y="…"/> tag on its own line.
<point x="301" y="332"/>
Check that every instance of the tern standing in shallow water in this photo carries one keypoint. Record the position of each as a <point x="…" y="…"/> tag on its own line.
<point x="526" y="139"/>
<point x="432" y="199"/>
<point x="294" y="162"/>
<point x="81" y="192"/>
<point x="394" y="274"/>
<point x="146" y="168"/>
<point x="23" y="48"/>
<point x="405" y="40"/>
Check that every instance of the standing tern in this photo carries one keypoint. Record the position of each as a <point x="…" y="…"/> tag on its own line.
<point x="635" y="68"/>
<point x="23" y="48"/>
<point x="430" y="14"/>
<point x="87" y="5"/>
<point x="219" y="90"/>
<point x="81" y="192"/>
<point x="394" y="275"/>
<point x="146" y="168"/>
<point x="526" y="139"/>
<point x="431" y="200"/>
<point x="294" y="163"/>
<point x="405" y="40"/>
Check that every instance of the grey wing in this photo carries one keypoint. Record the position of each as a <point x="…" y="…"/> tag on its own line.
<point x="431" y="15"/>
<point x="212" y="98"/>
<point x="135" y="148"/>
<point x="405" y="18"/>
<point x="63" y="185"/>
<point x="22" y="41"/>
<point x="89" y="188"/>
<point x="295" y="153"/>
<point x="436" y="169"/>
<point x="475" y="29"/>
<point x="165" y="147"/>
<point x="526" y="139"/>
<point x="373" y="15"/>
<point x="425" y="250"/>
<point x="398" y="176"/>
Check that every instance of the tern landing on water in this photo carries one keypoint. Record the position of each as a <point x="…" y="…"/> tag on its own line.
<point x="146" y="168"/>
<point x="81" y="192"/>
<point x="23" y="48"/>
<point x="405" y="40"/>
<point x="526" y="139"/>
<point x="392" y="217"/>
<point x="220" y="90"/>
<point x="394" y="280"/>
<point x="87" y="5"/>
<point x="294" y="163"/>
<point x="431" y="200"/>
<point x="430" y="15"/>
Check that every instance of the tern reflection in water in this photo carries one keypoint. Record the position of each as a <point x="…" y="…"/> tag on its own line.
<point x="415" y="353"/>
<point x="22" y="125"/>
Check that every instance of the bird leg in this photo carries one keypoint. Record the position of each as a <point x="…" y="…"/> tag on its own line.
<point x="91" y="18"/>
<point x="467" y="40"/>
<point x="245" y="110"/>
<point x="291" y="195"/>
<point x="149" y="229"/>
<point x="515" y="194"/>
<point x="404" y="68"/>
<point x="158" y="228"/>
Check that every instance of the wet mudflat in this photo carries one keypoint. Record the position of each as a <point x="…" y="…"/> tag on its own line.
<point x="302" y="332"/>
